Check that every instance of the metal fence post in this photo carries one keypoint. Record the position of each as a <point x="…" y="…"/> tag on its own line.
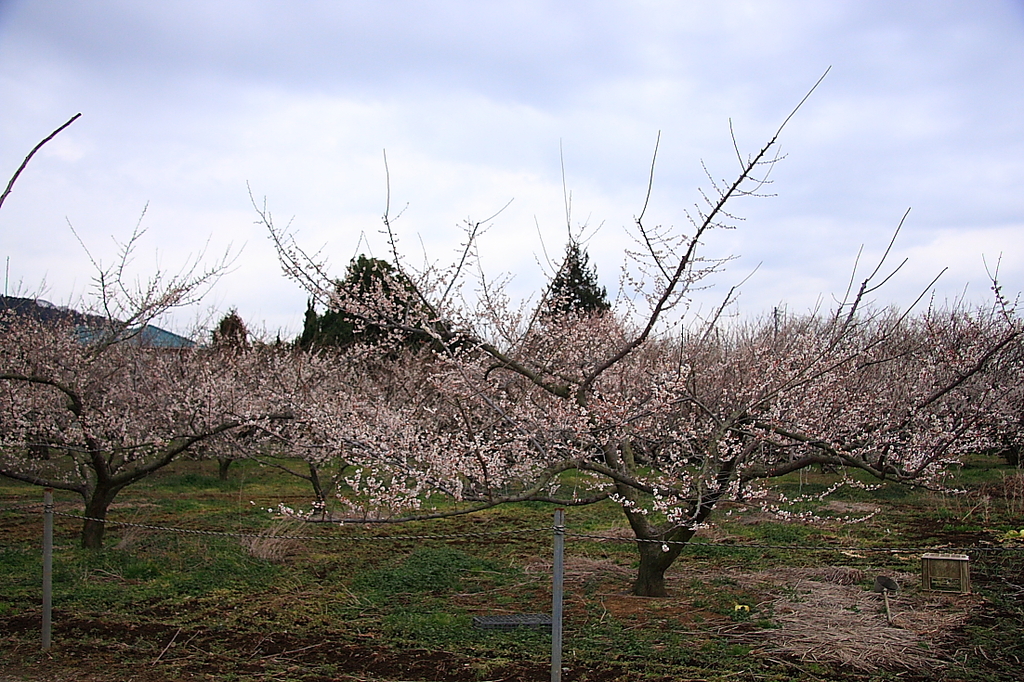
<point x="47" y="565"/>
<point x="558" y="571"/>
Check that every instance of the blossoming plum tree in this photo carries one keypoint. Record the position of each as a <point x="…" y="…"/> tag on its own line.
<point x="94" y="420"/>
<point x="506" y="405"/>
<point x="86" y="406"/>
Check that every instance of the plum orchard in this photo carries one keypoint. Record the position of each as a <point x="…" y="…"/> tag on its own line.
<point x="498" y="403"/>
<point x="674" y="427"/>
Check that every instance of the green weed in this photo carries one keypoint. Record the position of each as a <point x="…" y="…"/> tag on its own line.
<point x="429" y="569"/>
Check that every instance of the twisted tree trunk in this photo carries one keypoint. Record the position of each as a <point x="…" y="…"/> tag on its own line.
<point x="96" y="505"/>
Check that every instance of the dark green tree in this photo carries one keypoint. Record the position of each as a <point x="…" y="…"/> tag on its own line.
<point x="575" y="288"/>
<point x="368" y="281"/>
<point x="333" y="328"/>
<point x="231" y="336"/>
<point x="310" y="327"/>
<point x="231" y="332"/>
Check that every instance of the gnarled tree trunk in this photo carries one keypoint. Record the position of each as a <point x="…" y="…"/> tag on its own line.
<point x="654" y="561"/>
<point x="96" y="506"/>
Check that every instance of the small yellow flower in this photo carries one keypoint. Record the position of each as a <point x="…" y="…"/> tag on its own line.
<point x="741" y="607"/>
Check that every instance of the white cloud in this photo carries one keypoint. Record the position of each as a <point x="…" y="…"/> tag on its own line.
<point x="184" y="103"/>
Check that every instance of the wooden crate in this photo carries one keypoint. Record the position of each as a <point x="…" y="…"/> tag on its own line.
<point x="946" y="573"/>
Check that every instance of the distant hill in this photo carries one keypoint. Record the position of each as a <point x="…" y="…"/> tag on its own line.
<point x="44" y="311"/>
<point x="89" y="326"/>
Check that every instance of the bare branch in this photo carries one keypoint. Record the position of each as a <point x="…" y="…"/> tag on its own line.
<point x="10" y="185"/>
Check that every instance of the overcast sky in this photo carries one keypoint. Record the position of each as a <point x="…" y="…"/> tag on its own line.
<point x="184" y="103"/>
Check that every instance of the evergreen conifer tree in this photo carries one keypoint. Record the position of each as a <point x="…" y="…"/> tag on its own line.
<point x="575" y="287"/>
<point x="231" y="332"/>
<point x="363" y="277"/>
<point x="310" y="326"/>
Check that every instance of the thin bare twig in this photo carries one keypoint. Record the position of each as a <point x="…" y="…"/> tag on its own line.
<point x="169" y="644"/>
<point x="10" y="185"/>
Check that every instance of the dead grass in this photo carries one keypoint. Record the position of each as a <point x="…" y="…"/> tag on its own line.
<point x="580" y="569"/>
<point x="825" y="616"/>
<point x="132" y="536"/>
<point x="273" y="544"/>
<point x="1011" y="488"/>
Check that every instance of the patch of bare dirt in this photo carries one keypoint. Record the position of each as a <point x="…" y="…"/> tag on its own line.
<point x="844" y="507"/>
<point x="98" y="650"/>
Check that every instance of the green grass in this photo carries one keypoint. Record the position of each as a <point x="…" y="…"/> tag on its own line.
<point x="428" y="569"/>
<point x="405" y="602"/>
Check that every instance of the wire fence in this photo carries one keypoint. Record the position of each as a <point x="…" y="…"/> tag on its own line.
<point x="809" y="548"/>
<point x="891" y="549"/>
<point x="345" y="538"/>
<point x="963" y="549"/>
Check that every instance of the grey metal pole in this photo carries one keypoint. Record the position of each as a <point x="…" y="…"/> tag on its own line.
<point x="556" y="597"/>
<point x="47" y="565"/>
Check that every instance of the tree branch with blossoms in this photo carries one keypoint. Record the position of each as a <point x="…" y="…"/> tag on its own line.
<point x="668" y="427"/>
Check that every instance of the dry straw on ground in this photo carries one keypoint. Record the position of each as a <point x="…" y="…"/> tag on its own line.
<point x="824" y="615"/>
<point x="580" y="569"/>
<point x="270" y="546"/>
